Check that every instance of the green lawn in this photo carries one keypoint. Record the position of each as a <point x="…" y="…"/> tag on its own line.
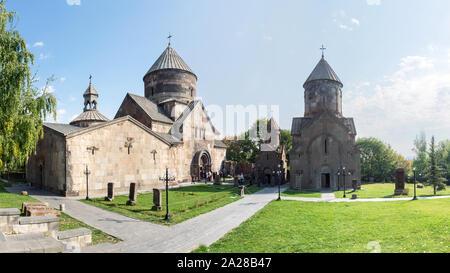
<point x="10" y="200"/>
<point x="299" y="227"/>
<point x="184" y="203"/>
<point x="305" y="193"/>
<point x="386" y="190"/>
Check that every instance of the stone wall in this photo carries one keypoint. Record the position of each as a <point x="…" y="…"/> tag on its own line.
<point x="170" y="83"/>
<point x="46" y="167"/>
<point x="112" y="163"/>
<point x="311" y="157"/>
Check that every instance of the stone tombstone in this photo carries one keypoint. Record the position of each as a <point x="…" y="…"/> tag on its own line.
<point x="355" y="184"/>
<point x="157" y="200"/>
<point x="217" y="180"/>
<point x="133" y="195"/>
<point x="110" y="196"/>
<point x="242" y="190"/>
<point x="399" y="181"/>
<point x="354" y="196"/>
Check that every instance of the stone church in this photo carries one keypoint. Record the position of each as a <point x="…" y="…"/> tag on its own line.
<point x="323" y="141"/>
<point x="167" y="127"/>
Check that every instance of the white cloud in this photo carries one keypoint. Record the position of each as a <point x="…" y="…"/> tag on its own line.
<point x="38" y="44"/>
<point x="62" y="79"/>
<point x="73" y="2"/>
<point x="61" y="112"/>
<point x="342" y="26"/>
<point x="373" y="2"/>
<point x="49" y="89"/>
<point x="43" y="56"/>
<point x="341" y="19"/>
<point x="267" y="38"/>
<point x="355" y="21"/>
<point x="414" y="98"/>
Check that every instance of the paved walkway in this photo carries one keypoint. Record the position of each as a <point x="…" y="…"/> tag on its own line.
<point x="139" y="236"/>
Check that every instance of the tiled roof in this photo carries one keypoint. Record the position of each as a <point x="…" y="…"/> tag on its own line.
<point x="219" y="144"/>
<point x="151" y="108"/>
<point x="64" y="129"/>
<point x="170" y="59"/>
<point x="90" y="115"/>
<point x="297" y="125"/>
<point x="323" y="71"/>
<point x="169" y="138"/>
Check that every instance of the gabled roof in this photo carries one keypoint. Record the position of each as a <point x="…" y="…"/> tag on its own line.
<point x="323" y="71"/>
<point x="169" y="59"/>
<point x="154" y="111"/>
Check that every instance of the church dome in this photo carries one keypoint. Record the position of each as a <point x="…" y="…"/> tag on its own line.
<point x="323" y="71"/>
<point x="170" y="59"/>
<point x="170" y="79"/>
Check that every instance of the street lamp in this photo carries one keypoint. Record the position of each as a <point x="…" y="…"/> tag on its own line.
<point x="338" y="175"/>
<point x="167" y="179"/>
<point x="279" y="182"/>
<point x="415" y="196"/>
<point x="87" y="173"/>
<point x="344" y="173"/>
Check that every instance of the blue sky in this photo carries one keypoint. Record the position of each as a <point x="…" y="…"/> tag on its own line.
<point x="393" y="56"/>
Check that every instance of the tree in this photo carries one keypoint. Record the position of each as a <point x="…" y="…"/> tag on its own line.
<point x="286" y="141"/>
<point x="23" y="107"/>
<point x="421" y="162"/>
<point x="378" y="160"/>
<point x="443" y="155"/>
<point x="435" y="175"/>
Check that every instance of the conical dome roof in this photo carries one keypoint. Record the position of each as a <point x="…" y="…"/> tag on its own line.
<point x="169" y="59"/>
<point x="323" y="71"/>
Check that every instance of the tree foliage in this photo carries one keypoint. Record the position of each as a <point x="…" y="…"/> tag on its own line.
<point x="23" y="107"/>
<point x="434" y="175"/>
<point x="421" y="162"/>
<point x="247" y="147"/>
<point x="379" y="161"/>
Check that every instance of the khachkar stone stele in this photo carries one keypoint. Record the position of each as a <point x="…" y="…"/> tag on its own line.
<point x="110" y="196"/>
<point x="400" y="182"/>
<point x="157" y="198"/>
<point x="133" y="195"/>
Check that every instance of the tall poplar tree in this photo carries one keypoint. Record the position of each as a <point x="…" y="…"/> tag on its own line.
<point x="435" y="174"/>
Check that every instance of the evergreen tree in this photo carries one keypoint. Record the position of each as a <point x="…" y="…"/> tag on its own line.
<point x="435" y="175"/>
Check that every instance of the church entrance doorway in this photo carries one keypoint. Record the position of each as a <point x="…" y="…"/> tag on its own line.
<point x="201" y="165"/>
<point x="326" y="181"/>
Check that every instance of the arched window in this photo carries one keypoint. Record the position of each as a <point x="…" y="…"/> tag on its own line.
<point x="326" y="146"/>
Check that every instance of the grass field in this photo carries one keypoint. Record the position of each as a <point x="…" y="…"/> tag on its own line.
<point x="10" y="200"/>
<point x="298" y="227"/>
<point x="295" y="193"/>
<point x="386" y="190"/>
<point x="184" y="203"/>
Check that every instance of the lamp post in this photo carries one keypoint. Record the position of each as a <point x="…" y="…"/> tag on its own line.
<point x="279" y="182"/>
<point x="167" y="179"/>
<point x="343" y="173"/>
<point x="415" y="196"/>
<point x="338" y="175"/>
<point x="87" y="173"/>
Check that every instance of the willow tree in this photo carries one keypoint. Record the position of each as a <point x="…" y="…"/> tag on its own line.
<point x="23" y="107"/>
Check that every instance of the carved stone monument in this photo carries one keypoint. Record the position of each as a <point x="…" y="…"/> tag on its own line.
<point x="399" y="181"/>
<point x="157" y="199"/>
<point x="110" y="196"/>
<point x="242" y="190"/>
<point x="133" y="195"/>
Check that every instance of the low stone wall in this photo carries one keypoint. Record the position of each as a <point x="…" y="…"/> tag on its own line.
<point x="37" y="224"/>
<point x="75" y="238"/>
<point x="8" y="218"/>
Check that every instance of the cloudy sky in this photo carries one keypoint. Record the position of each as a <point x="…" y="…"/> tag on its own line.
<point x="393" y="56"/>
